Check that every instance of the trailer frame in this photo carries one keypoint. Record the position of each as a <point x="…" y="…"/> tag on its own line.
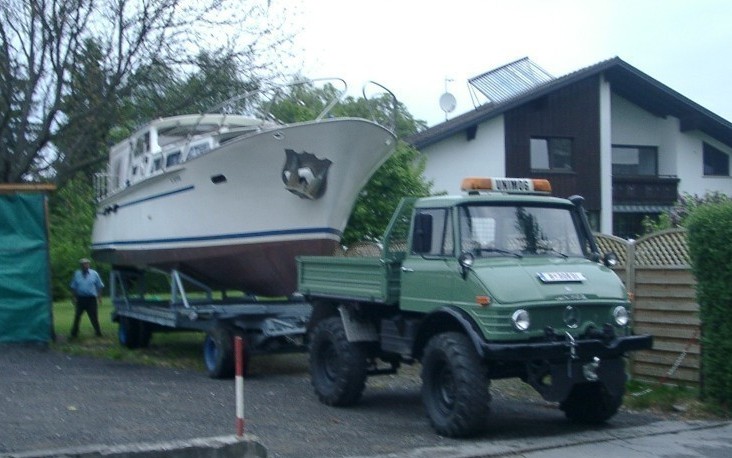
<point x="267" y="325"/>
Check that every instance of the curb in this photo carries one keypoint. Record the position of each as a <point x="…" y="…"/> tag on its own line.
<point x="247" y="446"/>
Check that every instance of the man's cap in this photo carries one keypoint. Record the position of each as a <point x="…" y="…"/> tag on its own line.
<point x="84" y="261"/>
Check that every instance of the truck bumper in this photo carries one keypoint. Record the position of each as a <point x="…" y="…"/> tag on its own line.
<point x="582" y="349"/>
<point x="554" y="368"/>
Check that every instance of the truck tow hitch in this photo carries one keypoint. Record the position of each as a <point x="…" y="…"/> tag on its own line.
<point x="572" y="353"/>
<point x="589" y="370"/>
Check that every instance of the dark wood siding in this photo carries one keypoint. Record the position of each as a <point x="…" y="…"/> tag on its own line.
<point x="571" y="112"/>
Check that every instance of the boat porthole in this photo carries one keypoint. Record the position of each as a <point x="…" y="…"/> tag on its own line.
<point x="218" y="179"/>
<point x="278" y="135"/>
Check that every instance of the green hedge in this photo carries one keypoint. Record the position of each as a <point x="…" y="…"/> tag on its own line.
<point x="710" y="248"/>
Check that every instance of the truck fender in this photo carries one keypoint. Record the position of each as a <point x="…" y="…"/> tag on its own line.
<point x="444" y="319"/>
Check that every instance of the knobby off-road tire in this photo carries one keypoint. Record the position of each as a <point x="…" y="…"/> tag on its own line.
<point x="591" y="403"/>
<point x="218" y="352"/>
<point x="133" y="333"/>
<point x="337" y="366"/>
<point x="455" y="386"/>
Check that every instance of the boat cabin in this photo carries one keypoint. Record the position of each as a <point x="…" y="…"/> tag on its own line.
<point x="166" y="143"/>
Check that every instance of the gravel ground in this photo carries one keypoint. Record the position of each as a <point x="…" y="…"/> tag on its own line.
<point x="52" y="400"/>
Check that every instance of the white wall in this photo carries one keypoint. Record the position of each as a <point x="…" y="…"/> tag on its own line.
<point x="679" y="153"/>
<point x="691" y="169"/>
<point x="452" y="159"/>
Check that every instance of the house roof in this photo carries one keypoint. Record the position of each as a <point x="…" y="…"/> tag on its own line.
<point x="625" y="80"/>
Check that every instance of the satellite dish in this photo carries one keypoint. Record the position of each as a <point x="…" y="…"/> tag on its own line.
<point x="447" y="102"/>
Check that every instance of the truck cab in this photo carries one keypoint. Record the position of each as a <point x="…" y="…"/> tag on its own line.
<point x="505" y="281"/>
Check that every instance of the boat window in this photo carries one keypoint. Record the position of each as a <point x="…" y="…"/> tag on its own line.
<point x="172" y="159"/>
<point x="198" y="150"/>
<point x="157" y="163"/>
<point x="142" y="145"/>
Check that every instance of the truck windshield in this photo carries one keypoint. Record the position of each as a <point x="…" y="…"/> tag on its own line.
<point x="518" y="230"/>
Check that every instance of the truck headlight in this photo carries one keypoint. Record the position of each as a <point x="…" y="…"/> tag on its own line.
<point x="521" y="320"/>
<point x="621" y="315"/>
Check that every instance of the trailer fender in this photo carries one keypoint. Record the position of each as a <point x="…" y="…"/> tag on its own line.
<point x="447" y="319"/>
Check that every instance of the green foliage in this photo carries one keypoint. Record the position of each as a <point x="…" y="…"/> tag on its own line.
<point x="71" y="219"/>
<point x="710" y="249"/>
<point x="679" y="213"/>
<point x="400" y="176"/>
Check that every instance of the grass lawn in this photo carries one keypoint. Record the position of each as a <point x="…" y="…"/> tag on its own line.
<point x="167" y="349"/>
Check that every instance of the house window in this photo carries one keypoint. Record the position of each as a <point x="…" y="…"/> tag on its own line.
<point x="716" y="162"/>
<point x="635" y="160"/>
<point x="551" y="154"/>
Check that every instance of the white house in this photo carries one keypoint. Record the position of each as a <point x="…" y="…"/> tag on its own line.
<point x="626" y="142"/>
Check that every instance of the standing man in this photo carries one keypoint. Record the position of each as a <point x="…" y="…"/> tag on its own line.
<point x="87" y="288"/>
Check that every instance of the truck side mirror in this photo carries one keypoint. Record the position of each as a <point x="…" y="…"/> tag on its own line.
<point x="422" y="233"/>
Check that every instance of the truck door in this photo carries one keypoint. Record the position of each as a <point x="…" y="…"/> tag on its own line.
<point x="430" y="270"/>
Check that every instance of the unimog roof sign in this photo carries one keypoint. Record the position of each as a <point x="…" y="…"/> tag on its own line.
<point x="508" y="185"/>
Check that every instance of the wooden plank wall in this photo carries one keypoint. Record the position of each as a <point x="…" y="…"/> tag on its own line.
<point x="656" y="270"/>
<point x="665" y="307"/>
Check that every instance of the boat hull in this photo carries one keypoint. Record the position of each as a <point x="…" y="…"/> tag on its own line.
<point x="238" y="216"/>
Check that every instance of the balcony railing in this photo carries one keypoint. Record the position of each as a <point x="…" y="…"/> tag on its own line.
<point x="648" y="190"/>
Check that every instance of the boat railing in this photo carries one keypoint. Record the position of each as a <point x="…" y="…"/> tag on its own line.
<point x="259" y="103"/>
<point x="385" y="96"/>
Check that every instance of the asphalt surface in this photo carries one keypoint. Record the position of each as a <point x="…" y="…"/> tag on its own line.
<point x="50" y="400"/>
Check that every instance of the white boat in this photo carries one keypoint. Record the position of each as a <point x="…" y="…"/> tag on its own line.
<point x="231" y="200"/>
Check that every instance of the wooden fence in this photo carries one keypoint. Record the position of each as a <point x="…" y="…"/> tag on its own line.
<point x="656" y="270"/>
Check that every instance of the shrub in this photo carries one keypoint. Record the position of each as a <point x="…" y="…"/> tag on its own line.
<point x="710" y="249"/>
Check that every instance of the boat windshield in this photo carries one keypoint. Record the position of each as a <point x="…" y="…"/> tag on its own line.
<point x="519" y="230"/>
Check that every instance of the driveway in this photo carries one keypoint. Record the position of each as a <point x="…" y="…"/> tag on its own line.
<point x="51" y="400"/>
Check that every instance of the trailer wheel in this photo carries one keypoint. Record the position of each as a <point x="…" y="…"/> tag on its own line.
<point x="455" y="386"/>
<point x="591" y="403"/>
<point x="337" y="366"/>
<point x="218" y="352"/>
<point x="133" y="333"/>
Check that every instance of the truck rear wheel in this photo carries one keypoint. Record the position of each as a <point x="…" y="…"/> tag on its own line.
<point x="218" y="352"/>
<point x="455" y="386"/>
<point x="337" y="366"/>
<point x="591" y="403"/>
<point x="133" y="333"/>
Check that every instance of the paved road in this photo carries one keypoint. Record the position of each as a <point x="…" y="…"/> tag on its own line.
<point x="52" y="400"/>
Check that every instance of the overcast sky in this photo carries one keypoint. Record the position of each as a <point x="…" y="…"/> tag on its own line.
<point x="413" y="46"/>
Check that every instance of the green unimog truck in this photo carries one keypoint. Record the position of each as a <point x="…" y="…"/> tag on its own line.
<point x="503" y="282"/>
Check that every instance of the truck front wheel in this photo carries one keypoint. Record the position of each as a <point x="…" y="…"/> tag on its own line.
<point x="591" y="403"/>
<point x="337" y="366"/>
<point x="455" y="386"/>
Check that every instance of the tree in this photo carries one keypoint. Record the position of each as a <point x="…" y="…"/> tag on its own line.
<point x="66" y="67"/>
<point x="400" y="176"/>
<point x="71" y="219"/>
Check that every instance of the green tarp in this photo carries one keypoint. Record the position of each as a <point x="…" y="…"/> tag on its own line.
<point x="25" y="301"/>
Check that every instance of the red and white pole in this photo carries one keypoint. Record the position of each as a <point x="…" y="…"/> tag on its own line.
<point x="239" y="380"/>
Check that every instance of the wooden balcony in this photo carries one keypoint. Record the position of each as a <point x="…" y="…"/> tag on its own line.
<point x="645" y="190"/>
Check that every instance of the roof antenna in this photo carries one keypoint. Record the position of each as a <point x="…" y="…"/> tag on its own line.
<point x="447" y="100"/>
